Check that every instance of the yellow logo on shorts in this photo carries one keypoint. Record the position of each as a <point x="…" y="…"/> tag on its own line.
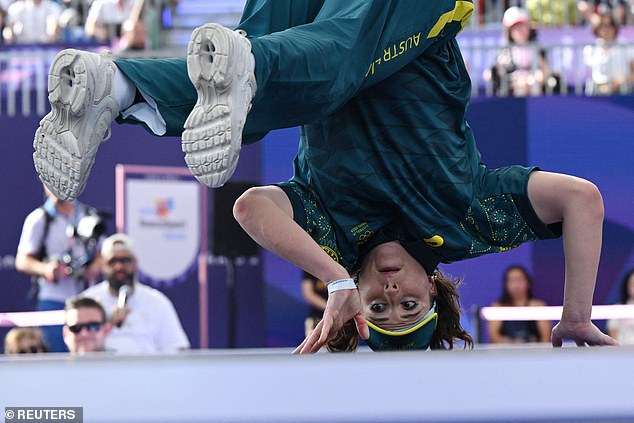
<point x="332" y="253"/>
<point x="435" y="241"/>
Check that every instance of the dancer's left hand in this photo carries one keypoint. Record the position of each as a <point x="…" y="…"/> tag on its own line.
<point x="582" y="333"/>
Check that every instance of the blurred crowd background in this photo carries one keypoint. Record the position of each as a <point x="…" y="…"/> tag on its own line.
<point x="519" y="48"/>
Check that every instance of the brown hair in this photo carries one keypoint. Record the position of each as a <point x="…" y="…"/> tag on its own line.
<point x="448" y="328"/>
<point x="599" y="20"/>
<point x="346" y="339"/>
<point x="75" y="303"/>
<point x="505" y="298"/>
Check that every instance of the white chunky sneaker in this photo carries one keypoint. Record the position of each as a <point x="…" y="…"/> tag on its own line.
<point x="82" y="109"/>
<point x="221" y="68"/>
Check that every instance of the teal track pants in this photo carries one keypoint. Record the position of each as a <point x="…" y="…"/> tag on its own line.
<point x="311" y="57"/>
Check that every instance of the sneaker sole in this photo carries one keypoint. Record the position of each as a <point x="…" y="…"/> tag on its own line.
<point x="212" y="135"/>
<point x="59" y="160"/>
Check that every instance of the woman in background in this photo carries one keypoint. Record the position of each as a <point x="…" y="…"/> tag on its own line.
<point x="623" y="329"/>
<point x="315" y="292"/>
<point x="24" y="341"/>
<point x="611" y="62"/>
<point x="517" y="292"/>
<point x="521" y="68"/>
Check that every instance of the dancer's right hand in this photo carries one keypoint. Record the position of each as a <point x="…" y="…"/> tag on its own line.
<point x="341" y="306"/>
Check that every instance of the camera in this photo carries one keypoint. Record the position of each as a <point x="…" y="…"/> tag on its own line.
<point x="87" y="233"/>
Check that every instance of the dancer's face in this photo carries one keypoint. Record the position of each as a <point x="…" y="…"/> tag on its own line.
<point x="395" y="290"/>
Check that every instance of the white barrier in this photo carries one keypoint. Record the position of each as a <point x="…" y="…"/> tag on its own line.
<point x="519" y="385"/>
<point x="32" y="318"/>
<point x="599" y="312"/>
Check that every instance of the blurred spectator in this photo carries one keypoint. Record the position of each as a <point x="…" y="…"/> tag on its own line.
<point x="623" y="329"/>
<point x="617" y="8"/>
<point x="521" y="67"/>
<point x="106" y="19"/>
<point x="315" y="293"/>
<point x="517" y="292"/>
<point x="612" y="63"/>
<point x="70" y="27"/>
<point x="156" y="15"/>
<point x="24" y="341"/>
<point x="4" y="5"/>
<point x="61" y="261"/>
<point x="81" y="6"/>
<point x="133" y="29"/>
<point x="552" y="12"/>
<point x="143" y="318"/>
<point x="32" y="21"/>
<point x="86" y="327"/>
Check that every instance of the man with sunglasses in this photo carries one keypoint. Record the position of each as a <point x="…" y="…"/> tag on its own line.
<point x="143" y="319"/>
<point x="86" y="328"/>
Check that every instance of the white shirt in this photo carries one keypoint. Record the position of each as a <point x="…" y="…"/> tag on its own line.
<point x="109" y="11"/>
<point x="151" y="326"/>
<point x="30" y="20"/>
<point x="57" y="243"/>
<point x="608" y="61"/>
<point x="4" y="4"/>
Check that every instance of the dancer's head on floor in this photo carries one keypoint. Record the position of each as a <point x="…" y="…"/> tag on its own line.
<point x="408" y="303"/>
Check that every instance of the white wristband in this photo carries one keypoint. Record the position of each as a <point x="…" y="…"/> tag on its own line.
<point x="341" y="284"/>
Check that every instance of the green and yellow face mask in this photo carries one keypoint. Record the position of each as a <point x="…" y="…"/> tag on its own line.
<point x="416" y="337"/>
